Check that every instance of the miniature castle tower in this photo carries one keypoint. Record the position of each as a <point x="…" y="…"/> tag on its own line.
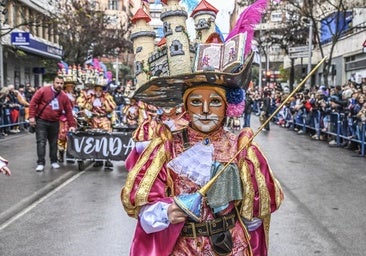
<point x="143" y="37"/>
<point x="174" y="54"/>
<point x="204" y="16"/>
<point x="174" y="19"/>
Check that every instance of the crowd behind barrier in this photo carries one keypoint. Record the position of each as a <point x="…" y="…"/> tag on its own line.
<point x="335" y="114"/>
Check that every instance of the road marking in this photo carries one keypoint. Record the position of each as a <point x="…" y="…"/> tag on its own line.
<point x="40" y="200"/>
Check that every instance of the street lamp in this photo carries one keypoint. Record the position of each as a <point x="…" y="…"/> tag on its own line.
<point x="2" y="9"/>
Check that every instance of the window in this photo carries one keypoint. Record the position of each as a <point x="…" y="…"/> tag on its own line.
<point x="113" y="4"/>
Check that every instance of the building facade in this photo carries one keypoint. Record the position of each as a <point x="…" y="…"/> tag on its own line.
<point x="348" y="55"/>
<point x="27" y="38"/>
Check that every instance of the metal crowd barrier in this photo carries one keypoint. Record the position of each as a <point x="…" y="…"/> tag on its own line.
<point x="338" y="124"/>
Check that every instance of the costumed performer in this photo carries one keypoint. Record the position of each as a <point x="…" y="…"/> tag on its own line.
<point x="235" y="215"/>
<point x="99" y="106"/>
<point x="4" y="167"/>
<point x="68" y="88"/>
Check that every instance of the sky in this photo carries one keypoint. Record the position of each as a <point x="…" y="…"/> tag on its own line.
<point x="225" y="8"/>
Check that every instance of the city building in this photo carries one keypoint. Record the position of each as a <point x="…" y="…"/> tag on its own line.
<point x="27" y="38"/>
<point x="348" y="53"/>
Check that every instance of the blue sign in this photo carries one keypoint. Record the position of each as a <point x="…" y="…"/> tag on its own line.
<point x="20" y="38"/>
<point x="335" y="25"/>
<point x="43" y="49"/>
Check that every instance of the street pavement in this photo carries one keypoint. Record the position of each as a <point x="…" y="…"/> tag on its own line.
<point x="72" y="212"/>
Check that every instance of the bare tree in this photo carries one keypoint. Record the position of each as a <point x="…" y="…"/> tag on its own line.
<point x="84" y="32"/>
<point x="329" y="20"/>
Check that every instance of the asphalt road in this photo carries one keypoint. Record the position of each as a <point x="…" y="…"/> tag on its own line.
<point x="67" y="212"/>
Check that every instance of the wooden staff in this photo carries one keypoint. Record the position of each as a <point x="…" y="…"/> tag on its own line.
<point x="209" y="184"/>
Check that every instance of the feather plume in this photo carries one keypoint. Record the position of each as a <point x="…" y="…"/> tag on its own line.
<point x="247" y="20"/>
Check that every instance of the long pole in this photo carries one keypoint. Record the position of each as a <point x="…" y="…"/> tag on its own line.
<point x="209" y="184"/>
<point x="310" y="49"/>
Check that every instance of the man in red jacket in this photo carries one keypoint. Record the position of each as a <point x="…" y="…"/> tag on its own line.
<point x="45" y="109"/>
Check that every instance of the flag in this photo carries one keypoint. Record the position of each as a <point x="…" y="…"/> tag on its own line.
<point x="218" y="31"/>
<point x="247" y="20"/>
<point x="191" y="4"/>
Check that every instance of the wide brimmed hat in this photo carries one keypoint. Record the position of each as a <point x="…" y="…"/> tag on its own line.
<point x="69" y="82"/>
<point x="168" y="91"/>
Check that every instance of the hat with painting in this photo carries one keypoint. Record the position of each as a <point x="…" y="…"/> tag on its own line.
<point x="164" y="71"/>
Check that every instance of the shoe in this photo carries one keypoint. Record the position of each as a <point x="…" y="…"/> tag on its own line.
<point x="40" y="168"/>
<point x="55" y="165"/>
<point x="315" y="137"/>
<point x="264" y="130"/>
<point x="108" y="164"/>
<point x="301" y="132"/>
<point x="332" y="143"/>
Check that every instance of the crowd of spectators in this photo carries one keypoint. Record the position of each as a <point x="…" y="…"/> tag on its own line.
<point x="14" y="104"/>
<point x="335" y="114"/>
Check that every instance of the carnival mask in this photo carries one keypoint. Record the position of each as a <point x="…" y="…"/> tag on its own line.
<point x="206" y="108"/>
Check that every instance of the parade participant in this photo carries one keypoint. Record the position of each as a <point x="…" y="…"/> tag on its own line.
<point x="233" y="214"/>
<point x="45" y="109"/>
<point x="119" y="99"/>
<point x="99" y="106"/>
<point x="172" y="117"/>
<point x="131" y="113"/>
<point x="180" y="163"/>
<point x="4" y="167"/>
<point x="68" y="88"/>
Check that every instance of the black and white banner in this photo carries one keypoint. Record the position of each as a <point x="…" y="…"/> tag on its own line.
<point x="100" y="145"/>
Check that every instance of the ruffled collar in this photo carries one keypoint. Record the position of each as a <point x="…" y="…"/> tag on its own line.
<point x="224" y="142"/>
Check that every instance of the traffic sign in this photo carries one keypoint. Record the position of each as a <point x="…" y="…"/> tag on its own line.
<point x="299" y="55"/>
<point x="298" y="49"/>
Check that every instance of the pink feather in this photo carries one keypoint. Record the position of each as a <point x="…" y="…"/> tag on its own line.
<point x="235" y="110"/>
<point x="247" y="20"/>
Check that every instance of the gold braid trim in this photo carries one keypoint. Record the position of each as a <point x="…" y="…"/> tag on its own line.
<point x="110" y="105"/>
<point x="131" y="177"/>
<point x="81" y="100"/>
<point x="266" y="220"/>
<point x="277" y="186"/>
<point x="264" y="197"/>
<point x="152" y="172"/>
<point x="246" y="209"/>
<point x="248" y="191"/>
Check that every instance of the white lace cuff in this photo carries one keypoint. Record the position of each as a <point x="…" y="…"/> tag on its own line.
<point x="154" y="217"/>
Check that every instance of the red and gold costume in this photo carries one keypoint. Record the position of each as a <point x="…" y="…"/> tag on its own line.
<point x="101" y="108"/>
<point x="150" y="180"/>
<point x="131" y="113"/>
<point x="64" y="125"/>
